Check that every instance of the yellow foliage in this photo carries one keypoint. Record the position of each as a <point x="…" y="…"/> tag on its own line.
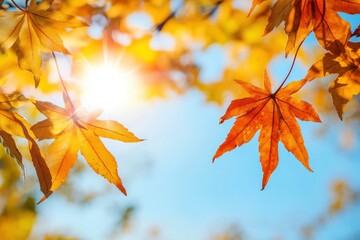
<point x="17" y="227"/>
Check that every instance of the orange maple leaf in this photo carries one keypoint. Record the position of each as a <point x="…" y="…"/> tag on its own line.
<point x="347" y="66"/>
<point x="31" y="29"/>
<point x="76" y="129"/>
<point x="301" y="17"/>
<point x="274" y="115"/>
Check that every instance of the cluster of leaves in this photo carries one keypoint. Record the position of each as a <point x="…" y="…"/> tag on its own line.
<point x="33" y="31"/>
<point x="274" y="113"/>
<point x="28" y="31"/>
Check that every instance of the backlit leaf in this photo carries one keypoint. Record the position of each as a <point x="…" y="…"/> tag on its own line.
<point x="274" y="115"/>
<point x="346" y="65"/>
<point x="31" y="29"/>
<point x="301" y="17"/>
<point x="74" y="129"/>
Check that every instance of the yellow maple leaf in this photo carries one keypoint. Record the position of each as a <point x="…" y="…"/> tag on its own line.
<point x="31" y="29"/>
<point x="76" y="129"/>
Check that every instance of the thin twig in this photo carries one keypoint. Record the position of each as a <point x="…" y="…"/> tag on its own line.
<point x="213" y="9"/>
<point x="17" y="6"/>
<point x="62" y="81"/>
<point x="291" y="68"/>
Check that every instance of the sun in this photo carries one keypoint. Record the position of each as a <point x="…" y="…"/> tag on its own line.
<point x="108" y="86"/>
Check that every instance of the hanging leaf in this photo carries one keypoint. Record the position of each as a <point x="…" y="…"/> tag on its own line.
<point x="76" y="129"/>
<point x="274" y="115"/>
<point x="347" y="83"/>
<point x="31" y="29"/>
<point x="301" y="17"/>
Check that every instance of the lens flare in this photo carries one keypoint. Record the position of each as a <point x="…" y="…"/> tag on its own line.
<point x="108" y="86"/>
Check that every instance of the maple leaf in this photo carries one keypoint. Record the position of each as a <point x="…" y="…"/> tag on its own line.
<point x="346" y="6"/>
<point x="274" y="115"/>
<point x="31" y="29"/>
<point x="12" y="124"/>
<point x="301" y="17"/>
<point x="347" y="66"/>
<point x="75" y="129"/>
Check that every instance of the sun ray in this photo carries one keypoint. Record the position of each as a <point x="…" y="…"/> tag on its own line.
<point x="109" y="84"/>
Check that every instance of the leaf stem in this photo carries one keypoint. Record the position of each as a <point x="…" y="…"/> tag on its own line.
<point x="214" y="8"/>
<point x="17" y="6"/>
<point x="290" y="70"/>
<point x="160" y="26"/>
<point x="62" y="82"/>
